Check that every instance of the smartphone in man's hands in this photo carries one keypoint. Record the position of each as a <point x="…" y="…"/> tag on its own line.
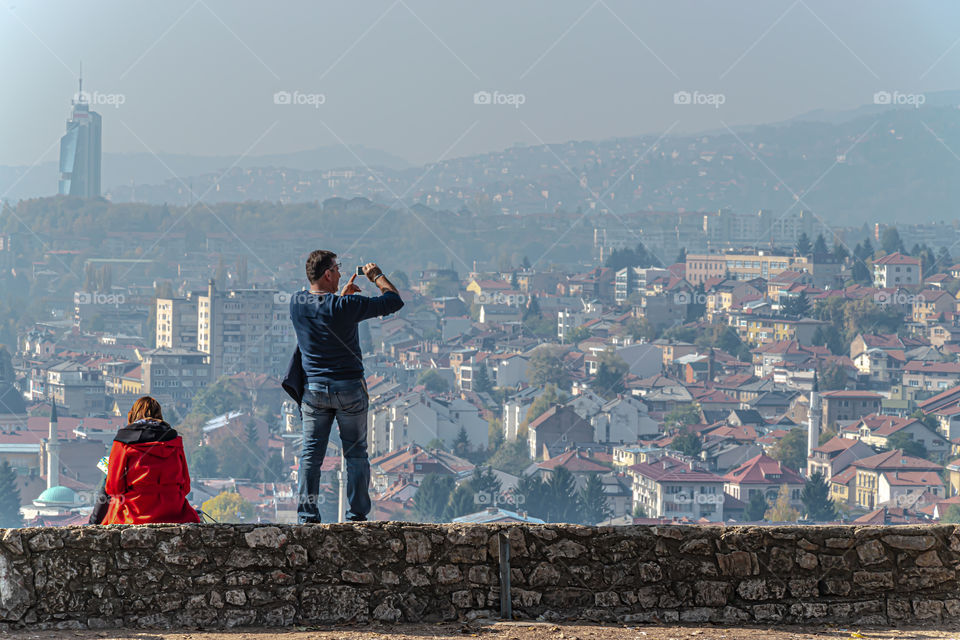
<point x="359" y="271"/>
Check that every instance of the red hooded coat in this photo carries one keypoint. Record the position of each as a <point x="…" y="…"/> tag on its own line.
<point x="148" y="482"/>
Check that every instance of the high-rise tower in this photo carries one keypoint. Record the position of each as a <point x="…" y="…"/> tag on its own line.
<point x="80" y="150"/>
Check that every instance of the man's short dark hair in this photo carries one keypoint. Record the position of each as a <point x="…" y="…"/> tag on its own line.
<point x="318" y="262"/>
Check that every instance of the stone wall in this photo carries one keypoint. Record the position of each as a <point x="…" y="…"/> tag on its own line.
<point x="226" y="576"/>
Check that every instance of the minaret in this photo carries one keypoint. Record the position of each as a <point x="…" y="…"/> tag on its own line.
<point x="813" y="417"/>
<point x="53" y="450"/>
<point x="211" y="349"/>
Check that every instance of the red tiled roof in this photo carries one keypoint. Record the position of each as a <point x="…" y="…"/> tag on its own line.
<point x="890" y="460"/>
<point x="913" y="478"/>
<point x="924" y="366"/>
<point x="668" y="469"/>
<point x="573" y="461"/>
<point x="836" y="443"/>
<point x="896" y="258"/>
<point x="762" y="469"/>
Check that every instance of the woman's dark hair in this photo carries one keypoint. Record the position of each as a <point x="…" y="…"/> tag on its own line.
<point x="144" y="407"/>
<point x="318" y="262"/>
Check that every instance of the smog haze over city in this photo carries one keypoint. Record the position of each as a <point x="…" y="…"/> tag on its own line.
<point x="630" y="238"/>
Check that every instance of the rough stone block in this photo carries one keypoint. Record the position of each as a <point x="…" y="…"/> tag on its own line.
<point x="738" y="563"/>
<point x="873" y="581"/>
<point x="871" y="552"/>
<point x="912" y="543"/>
<point x="418" y="547"/>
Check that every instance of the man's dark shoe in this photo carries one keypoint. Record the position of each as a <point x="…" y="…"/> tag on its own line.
<point x="311" y="521"/>
<point x="357" y="518"/>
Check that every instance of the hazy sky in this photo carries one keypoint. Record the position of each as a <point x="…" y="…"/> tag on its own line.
<point x="199" y="76"/>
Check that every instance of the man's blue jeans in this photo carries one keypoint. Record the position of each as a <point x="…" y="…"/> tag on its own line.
<point x="347" y="401"/>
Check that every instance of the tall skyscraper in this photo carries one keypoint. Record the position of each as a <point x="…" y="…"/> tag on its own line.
<point x="80" y="150"/>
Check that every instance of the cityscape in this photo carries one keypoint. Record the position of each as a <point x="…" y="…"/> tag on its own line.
<point x="631" y="329"/>
<point x="673" y="367"/>
<point x="416" y="319"/>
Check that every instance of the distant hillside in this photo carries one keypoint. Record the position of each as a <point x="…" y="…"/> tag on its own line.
<point x="124" y="169"/>
<point x="878" y="166"/>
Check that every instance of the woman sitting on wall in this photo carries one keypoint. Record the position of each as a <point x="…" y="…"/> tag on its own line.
<point x="147" y="477"/>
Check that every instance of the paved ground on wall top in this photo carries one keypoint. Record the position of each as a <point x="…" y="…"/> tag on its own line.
<point x="510" y="631"/>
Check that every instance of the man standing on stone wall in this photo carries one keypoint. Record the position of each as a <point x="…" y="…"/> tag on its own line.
<point x="334" y="387"/>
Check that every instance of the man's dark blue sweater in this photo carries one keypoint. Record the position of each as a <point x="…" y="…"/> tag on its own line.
<point x="326" y="326"/>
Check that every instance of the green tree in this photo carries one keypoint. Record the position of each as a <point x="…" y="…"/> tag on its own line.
<point x="594" y="506"/>
<point x="890" y="241"/>
<point x="683" y="415"/>
<point x="829" y="338"/>
<point x="203" y="462"/>
<point x="840" y="253"/>
<point x="432" y="496"/>
<point x="462" y="502"/>
<point x="611" y="371"/>
<point x="511" y="457"/>
<point x="480" y="491"/>
<point x="791" y="449"/>
<point x="532" y="310"/>
<point x="795" y="305"/>
<point x="832" y="378"/>
<point x="532" y="496"/>
<point x="461" y="446"/>
<point x="561" y="491"/>
<point x="638" y="257"/>
<point x="546" y="367"/>
<point x="689" y="444"/>
<point x="820" y="246"/>
<point x="908" y="445"/>
<point x="434" y="381"/>
<point x="782" y="511"/>
<point x="10" y="517"/>
<point x="641" y="329"/>
<point x="481" y="380"/>
<point x="228" y="507"/>
<point x="275" y="470"/>
<point x="495" y="435"/>
<point x="219" y="398"/>
<point x="803" y="244"/>
<point x="578" y="334"/>
<point x="697" y="306"/>
<point x="724" y="337"/>
<point x="817" y="504"/>
<point x="756" y="507"/>
<point x="829" y="432"/>
<point x="862" y="253"/>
